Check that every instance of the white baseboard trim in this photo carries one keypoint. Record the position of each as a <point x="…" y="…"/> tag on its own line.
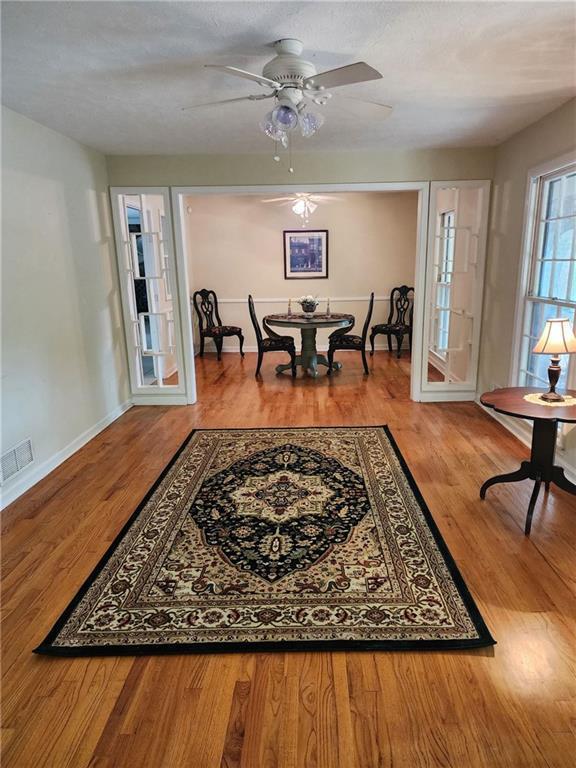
<point x="522" y="430"/>
<point x="12" y="490"/>
<point x="446" y="397"/>
<point x="166" y="399"/>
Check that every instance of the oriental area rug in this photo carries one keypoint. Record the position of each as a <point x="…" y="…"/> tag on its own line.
<point x="275" y="539"/>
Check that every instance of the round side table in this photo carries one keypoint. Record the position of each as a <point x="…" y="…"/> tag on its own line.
<point x="541" y="468"/>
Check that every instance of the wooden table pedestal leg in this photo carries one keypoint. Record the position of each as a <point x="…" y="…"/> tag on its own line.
<point x="309" y="358"/>
<point x="540" y="468"/>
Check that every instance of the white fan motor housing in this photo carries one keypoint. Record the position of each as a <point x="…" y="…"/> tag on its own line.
<point x="290" y="96"/>
<point x="287" y="66"/>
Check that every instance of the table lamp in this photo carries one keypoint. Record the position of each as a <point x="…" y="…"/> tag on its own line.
<point x="557" y="339"/>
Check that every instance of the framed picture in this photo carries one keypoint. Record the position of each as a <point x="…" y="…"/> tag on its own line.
<point x="305" y="254"/>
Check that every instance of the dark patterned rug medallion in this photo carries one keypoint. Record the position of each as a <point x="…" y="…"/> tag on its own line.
<point x="275" y="539"/>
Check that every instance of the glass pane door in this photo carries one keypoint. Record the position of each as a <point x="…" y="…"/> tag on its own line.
<point x="149" y="291"/>
<point x="454" y="288"/>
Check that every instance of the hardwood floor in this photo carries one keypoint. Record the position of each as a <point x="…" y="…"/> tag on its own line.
<point x="509" y="706"/>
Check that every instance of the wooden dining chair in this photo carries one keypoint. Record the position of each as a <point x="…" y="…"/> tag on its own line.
<point x="399" y="320"/>
<point x="272" y="342"/>
<point x="349" y="341"/>
<point x="210" y="325"/>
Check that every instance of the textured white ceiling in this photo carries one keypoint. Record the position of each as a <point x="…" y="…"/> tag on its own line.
<point x="114" y="75"/>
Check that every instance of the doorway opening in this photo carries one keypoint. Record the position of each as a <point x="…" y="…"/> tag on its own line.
<point x="233" y="240"/>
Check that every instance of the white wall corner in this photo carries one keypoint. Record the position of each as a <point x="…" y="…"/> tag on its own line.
<point x="14" y="488"/>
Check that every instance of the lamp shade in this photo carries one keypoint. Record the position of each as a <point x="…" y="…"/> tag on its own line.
<point x="557" y="338"/>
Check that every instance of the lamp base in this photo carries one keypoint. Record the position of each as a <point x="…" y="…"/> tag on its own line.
<point x="553" y="375"/>
<point x="552" y="397"/>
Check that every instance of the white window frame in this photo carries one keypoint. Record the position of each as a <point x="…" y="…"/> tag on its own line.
<point x="523" y="297"/>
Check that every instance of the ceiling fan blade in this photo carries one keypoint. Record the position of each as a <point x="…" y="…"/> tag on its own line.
<point x="360" y="72"/>
<point x="246" y="75"/>
<point x="259" y="97"/>
<point x="383" y="109"/>
<point x="278" y="200"/>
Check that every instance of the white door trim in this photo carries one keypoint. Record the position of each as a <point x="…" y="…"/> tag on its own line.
<point x="184" y="296"/>
<point x="443" y="391"/>
<point x="148" y="395"/>
<point x="423" y="189"/>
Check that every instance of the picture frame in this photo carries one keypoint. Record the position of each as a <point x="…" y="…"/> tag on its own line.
<point x="305" y="254"/>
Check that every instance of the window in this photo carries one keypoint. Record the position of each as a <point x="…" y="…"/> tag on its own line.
<point x="444" y="282"/>
<point x="551" y="284"/>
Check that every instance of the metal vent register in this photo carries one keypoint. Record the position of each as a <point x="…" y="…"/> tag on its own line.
<point x="16" y="459"/>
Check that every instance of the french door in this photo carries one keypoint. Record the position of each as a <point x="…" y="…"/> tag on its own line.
<point x="453" y="289"/>
<point x="151" y="290"/>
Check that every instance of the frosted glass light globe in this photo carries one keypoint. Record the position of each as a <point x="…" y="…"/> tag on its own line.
<point x="271" y="129"/>
<point x="310" y="122"/>
<point x="285" y="117"/>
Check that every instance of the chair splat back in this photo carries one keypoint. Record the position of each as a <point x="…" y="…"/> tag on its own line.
<point x="206" y="305"/>
<point x="368" y="318"/>
<point x="254" y="319"/>
<point x="401" y="305"/>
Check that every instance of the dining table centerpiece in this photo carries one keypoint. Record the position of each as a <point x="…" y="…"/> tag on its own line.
<point x="308" y="304"/>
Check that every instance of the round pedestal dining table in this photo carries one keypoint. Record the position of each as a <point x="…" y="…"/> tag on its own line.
<point x="308" y="324"/>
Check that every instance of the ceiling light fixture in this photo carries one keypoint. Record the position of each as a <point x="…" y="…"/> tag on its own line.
<point x="289" y="114"/>
<point x="285" y="118"/>
<point x="304" y="207"/>
<point x="293" y="83"/>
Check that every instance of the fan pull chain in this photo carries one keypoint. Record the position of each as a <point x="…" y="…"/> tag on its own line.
<point x="290" y="167"/>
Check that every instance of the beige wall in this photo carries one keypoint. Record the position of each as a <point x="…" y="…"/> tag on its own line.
<point x="63" y="357"/>
<point x="235" y="245"/>
<point x="550" y="137"/>
<point x="311" y="168"/>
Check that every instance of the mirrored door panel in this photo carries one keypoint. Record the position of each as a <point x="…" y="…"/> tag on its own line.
<point x="149" y="294"/>
<point x="454" y="285"/>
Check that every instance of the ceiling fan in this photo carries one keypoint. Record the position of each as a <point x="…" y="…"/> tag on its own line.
<point x="294" y="84"/>
<point x="302" y="203"/>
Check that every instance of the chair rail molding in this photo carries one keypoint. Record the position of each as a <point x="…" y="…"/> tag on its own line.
<point x="285" y="299"/>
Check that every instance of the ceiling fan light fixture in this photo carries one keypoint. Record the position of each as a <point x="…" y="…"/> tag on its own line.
<point x="304" y="207"/>
<point x="294" y="83"/>
<point x="285" y="117"/>
<point x="310" y="122"/>
<point x="273" y="131"/>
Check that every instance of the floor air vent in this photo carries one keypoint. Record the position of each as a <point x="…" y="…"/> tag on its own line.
<point x="16" y="459"/>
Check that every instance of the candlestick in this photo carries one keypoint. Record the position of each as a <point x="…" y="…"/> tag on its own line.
<point x="328" y="307"/>
<point x="289" y="306"/>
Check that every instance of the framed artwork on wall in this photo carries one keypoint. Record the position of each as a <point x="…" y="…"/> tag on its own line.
<point x="305" y="254"/>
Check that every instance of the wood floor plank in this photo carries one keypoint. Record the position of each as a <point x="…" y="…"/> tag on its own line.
<point x="510" y="706"/>
<point x="347" y="753"/>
